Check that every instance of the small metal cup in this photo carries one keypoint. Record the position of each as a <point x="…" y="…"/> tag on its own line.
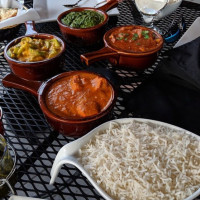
<point x="7" y="168"/>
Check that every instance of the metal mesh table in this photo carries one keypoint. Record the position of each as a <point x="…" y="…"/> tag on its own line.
<point x="35" y="143"/>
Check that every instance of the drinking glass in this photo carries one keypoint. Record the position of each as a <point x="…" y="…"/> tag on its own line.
<point x="7" y="168"/>
<point x="149" y="10"/>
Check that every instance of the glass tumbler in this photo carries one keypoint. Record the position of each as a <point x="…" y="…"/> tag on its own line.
<point x="7" y="168"/>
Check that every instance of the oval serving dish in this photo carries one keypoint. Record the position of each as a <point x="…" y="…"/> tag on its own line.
<point x="68" y="154"/>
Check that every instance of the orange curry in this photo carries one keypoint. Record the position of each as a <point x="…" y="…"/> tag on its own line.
<point x="79" y="95"/>
<point x="134" y="39"/>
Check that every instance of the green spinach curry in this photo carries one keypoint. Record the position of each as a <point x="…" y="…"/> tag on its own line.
<point x="83" y="19"/>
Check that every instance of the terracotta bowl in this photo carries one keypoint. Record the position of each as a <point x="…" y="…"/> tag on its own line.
<point x="86" y="36"/>
<point x="69" y="127"/>
<point x="39" y="70"/>
<point x="121" y="58"/>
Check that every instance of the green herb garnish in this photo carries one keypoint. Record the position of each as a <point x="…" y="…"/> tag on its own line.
<point x="135" y="36"/>
<point x="145" y="34"/>
<point x="120" y="38"/>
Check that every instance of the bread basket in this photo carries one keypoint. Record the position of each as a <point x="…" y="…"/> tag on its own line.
<point x="6" y="32"/>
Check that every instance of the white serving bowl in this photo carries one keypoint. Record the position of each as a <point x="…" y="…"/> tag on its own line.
<point x="168" y="9"/>
<point x="68" y="153"/>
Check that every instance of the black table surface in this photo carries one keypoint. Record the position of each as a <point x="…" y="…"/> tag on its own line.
<point x="26" y="129"/>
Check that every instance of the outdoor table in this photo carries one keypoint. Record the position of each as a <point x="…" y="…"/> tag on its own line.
<point x="26" y="129"/>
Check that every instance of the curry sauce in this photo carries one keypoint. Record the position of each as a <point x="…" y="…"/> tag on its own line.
<point x="79" y="95"/>
<point x="133" y="39"/>
<point x="33" y="49"/>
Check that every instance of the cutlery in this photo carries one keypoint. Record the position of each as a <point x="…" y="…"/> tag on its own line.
<point x="2" y="50"/>
<point x="100" y="3"/>
<point x="73" y="5"/>
<point x="76" y="4"/>
<point x="15" y="197"/>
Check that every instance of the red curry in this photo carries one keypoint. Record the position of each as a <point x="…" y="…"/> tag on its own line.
<point x="79" y="95"/>
<point x="133" y="39"/>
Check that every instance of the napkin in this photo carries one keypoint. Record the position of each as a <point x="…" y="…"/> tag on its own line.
<point x="50" y="9"/>
<point x="22" y="15"/>
<point x="172" y="93"/>
<point x="191" y="34"/>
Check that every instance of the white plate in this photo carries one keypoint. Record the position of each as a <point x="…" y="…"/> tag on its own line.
<point x="192" y="33"/>
<point x="67" y="154"/>
<point x="50" y="9"/>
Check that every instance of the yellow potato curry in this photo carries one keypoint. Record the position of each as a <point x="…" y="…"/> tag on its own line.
<point x="33" y="50"/>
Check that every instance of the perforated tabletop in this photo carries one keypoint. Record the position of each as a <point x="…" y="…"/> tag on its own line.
<point x="26" y="129"/>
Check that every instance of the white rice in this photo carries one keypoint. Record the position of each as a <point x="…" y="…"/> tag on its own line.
<point x="141" y="162"/>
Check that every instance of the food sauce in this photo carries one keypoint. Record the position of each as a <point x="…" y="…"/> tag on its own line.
<point x="83" y="19"/>
<point x="33" y="49"/>
<point x="133" y="39"/>
<point x="79" y="95"/>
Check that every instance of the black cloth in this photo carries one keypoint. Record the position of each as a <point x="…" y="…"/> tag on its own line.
<point x="172" y="93"/>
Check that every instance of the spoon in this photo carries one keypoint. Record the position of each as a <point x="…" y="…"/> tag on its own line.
<point x="76" y="4"/>
<point x="2" y="50"/>
<point x="73" y="5"/>
<point x="14" y="197"/>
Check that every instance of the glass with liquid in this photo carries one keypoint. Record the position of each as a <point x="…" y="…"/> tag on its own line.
<point x="7" y="168"/>
<point x="149" y="10"/>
